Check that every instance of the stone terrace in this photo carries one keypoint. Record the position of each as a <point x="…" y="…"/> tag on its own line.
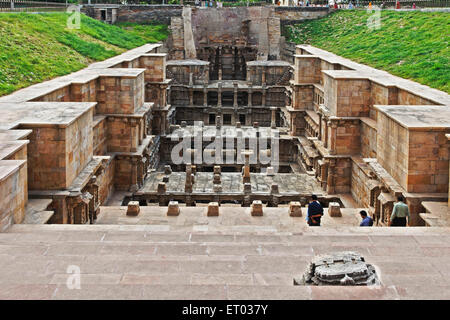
<point x="154" y="262"/>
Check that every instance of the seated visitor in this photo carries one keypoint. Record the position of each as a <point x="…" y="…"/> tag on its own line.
<point x="367" y="221"/>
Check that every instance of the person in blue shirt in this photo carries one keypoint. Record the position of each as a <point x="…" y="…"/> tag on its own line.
<point x="366" y="220"/>
<point x="315" y="212"/>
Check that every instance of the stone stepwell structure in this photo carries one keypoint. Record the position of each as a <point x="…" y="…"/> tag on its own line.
<point x="66" y="144"/>
<point x="87" y="177"/>
<point x="353" y="135"/>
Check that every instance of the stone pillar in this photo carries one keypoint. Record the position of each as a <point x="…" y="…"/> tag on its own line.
<point x="191" y="97"/>
<point x="325" y="142"/>
<point x="162" y="123"/>
<point x="168" y="95"/>
<point x="333" y="134"/>
<point x="219" y="95"/>
<point x="273" y="120"/>
<point x="188" y="183"/>
<point x="249" y="103"/>
<point x="330" y="178"/>
<point x="134" y="175"/>
<point x="205" y="96"/>
<point x="218" y="122"/>
<point x="235" y="95"/>
<point x="263" y="100"/>
<point x="263" y="76"/>
<point x="320" y="127"/>
<point x="246" y="173"/>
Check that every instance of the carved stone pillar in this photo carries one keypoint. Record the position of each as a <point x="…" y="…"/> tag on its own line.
<point x="331" y="177"/>
<point x="263" y="100"/>
<point x="205" y="96"/>
<point x="249" y="95"/>
<point x="273" y="120"/>
<point x="235" y="95"/>
<point x="325" y="142"/>
<point x="162" y="122"/>
<point x="263" y="76"/>
<point x="319" y="136"/>
<point x="134" y="174"/>
<point x="333" y="138"/>
<point x="219" y="95"/>
<point x="191" y="97"/>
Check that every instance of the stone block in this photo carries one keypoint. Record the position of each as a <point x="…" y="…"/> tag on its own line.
<point x="295" y="209"/>
<point x="167" y="169"/>
<point x="133" y="208"/>
<point x="173" y="209"/>
<point x="247" y="188"/>
<point x="274" y="189"/>
<point x="162" y="187"/>
<point x="334" y="209"/>
<point x="270" y="171"/>
<point x="217" y="170"/>
<point x="213" y="209"/>
<point x="216" y="179"/>
<point x="257" y="208"/>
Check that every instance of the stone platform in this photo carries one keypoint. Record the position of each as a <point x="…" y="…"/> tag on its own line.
<point x="231" y="219"/>
<point x="144" y="262"/>
<point x="291" y="186"/>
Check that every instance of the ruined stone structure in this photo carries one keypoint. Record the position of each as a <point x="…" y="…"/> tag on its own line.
<point x="355" y="136"/>
<point x="340" y="268"/>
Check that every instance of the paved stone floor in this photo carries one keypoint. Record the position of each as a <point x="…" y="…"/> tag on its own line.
<point x="288" y="183"/>
<point x="155" y="262"/>
<point x="231" y="218"/>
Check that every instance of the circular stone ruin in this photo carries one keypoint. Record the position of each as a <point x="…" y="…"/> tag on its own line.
<point x="339" y="269"/>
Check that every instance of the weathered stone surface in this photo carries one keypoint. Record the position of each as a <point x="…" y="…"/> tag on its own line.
<point x="340" y="268"/>
<point x="295" y="209"/>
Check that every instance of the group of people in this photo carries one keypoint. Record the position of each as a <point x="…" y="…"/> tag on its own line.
<point x="399" y="218"/>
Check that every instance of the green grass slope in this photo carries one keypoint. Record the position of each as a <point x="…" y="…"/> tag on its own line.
<point x="38" y="47"/>
<point x="412" y="45"/>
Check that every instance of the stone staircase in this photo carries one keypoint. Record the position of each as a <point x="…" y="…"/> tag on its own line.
<point x="36" y="211"/>
<point x="143" y="262"/>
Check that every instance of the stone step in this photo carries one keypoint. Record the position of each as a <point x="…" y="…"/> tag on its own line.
<point x="244" y="231"/>
<point x="36" y="211"/>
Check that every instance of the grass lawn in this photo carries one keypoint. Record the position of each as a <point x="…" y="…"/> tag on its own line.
<point x="38" y="47"/>
<point x="412" y="45"/>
